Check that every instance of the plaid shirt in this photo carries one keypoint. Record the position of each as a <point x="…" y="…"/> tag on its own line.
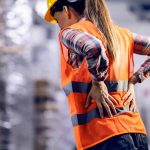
<point x="142" y="47"/>
<point x="83" y="45"/>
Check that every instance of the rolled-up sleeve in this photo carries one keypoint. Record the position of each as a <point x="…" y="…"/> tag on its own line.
<point x="90" y="48"/>
<point x="142" y="47"/>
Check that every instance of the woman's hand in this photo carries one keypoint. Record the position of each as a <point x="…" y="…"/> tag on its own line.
<point x="100" y="94"/>
<point x="129" y="97"/>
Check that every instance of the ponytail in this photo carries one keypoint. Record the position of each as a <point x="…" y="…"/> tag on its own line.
<point x="97" y="12"/>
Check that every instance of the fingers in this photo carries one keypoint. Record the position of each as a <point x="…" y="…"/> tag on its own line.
<point x="100" y="108"/>
<point x="107" y="102"/>
<point x="126" y="95"/>
<point x="134" y="109"/>
<point x="115" y="102"/>
<point x="129" y="99"/>
<point x="110" y="103"/>
<point x="132" y="106"/>
<point x="88" y="101"/>
<point x="107" y="108"/>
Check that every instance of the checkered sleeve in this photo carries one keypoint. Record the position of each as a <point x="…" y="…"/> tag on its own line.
<point x="90" y="48"/>
<point x="142" y="47"/>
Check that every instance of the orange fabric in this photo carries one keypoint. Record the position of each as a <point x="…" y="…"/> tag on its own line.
<point x="98" y="130"/>
<point x="78" y="100"/>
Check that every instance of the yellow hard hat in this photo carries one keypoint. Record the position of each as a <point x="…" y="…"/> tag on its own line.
<point x="48" y="17"/>
<point x="50" y="4"/>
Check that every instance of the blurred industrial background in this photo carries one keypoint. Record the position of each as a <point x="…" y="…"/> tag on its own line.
<point x="33" y="108"/>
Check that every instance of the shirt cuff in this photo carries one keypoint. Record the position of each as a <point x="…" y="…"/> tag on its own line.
<point x="101" y="77"/>
<point x="139" y="77"/>
<point x="142" y="75"/>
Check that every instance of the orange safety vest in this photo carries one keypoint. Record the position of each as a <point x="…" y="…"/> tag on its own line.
<point x="89" y="128"/>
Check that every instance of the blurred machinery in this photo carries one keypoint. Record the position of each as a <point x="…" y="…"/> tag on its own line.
<point x="51" y="119"/>
<point x="141" y="9"/>
<point x="33" y="112"/>
<point x="15" y="85"/>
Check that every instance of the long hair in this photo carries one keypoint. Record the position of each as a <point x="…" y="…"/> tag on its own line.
<point x="97" y="12"/>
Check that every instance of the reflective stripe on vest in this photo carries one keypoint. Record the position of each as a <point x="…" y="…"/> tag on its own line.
<point x="81" y="119"/>
<point x="82" y="87"/>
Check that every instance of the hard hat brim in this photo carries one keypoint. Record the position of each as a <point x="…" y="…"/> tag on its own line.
<point x="49" y="18"/>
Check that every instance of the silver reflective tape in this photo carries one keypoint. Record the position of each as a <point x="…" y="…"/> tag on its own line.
<point x="81" y="119"/>
<point x="82" y="87"/>
<point x="117" y="86"/>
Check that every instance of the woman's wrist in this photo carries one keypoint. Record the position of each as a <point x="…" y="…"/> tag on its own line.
<point x="99" y="84"/>
<point x="134" y="80"/>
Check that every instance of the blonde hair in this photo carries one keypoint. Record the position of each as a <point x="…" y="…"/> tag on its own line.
<point x="97" y="12"/>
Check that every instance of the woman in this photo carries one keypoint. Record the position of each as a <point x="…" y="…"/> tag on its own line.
<point x="115" y="39"/>
<point x="109" y="120"/>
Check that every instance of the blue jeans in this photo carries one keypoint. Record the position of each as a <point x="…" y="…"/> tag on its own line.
<point x="123" y="142"/>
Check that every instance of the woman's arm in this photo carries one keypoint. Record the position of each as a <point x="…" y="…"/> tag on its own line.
<point x="90" y="48"/>
<point x="142" y="47"/>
